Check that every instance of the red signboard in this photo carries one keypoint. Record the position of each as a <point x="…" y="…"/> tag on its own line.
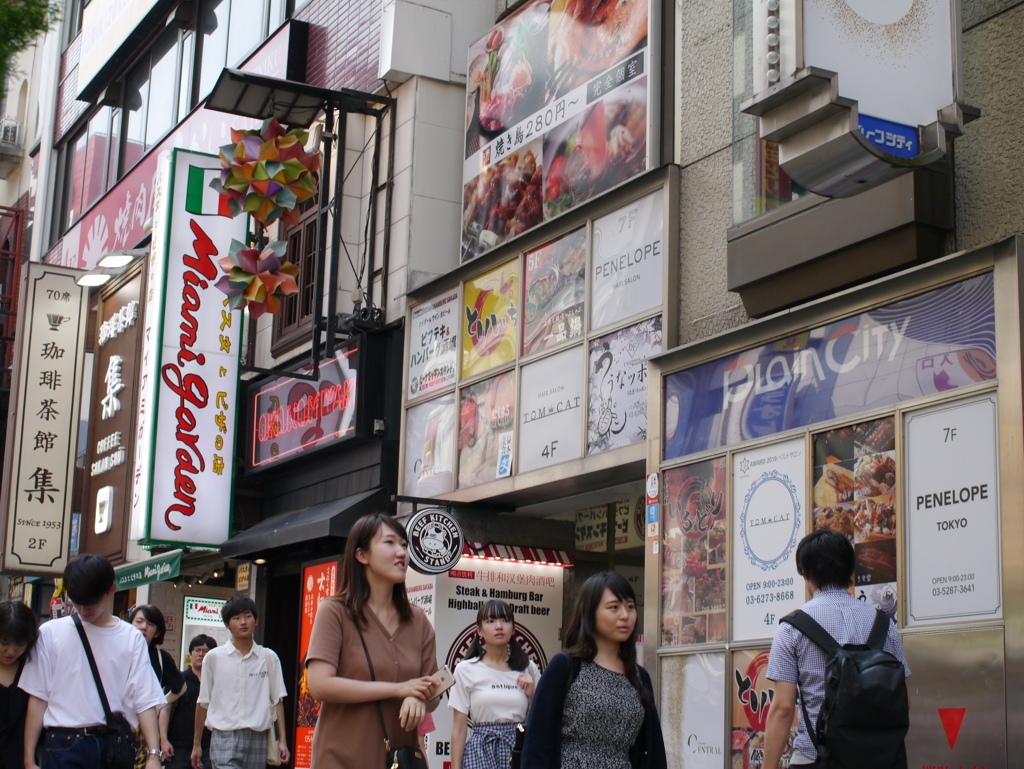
<point x="292" y="416"/>
<point x="318" y="582"/>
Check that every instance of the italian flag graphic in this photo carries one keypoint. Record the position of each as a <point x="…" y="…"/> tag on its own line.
<point x="199" y="198"/>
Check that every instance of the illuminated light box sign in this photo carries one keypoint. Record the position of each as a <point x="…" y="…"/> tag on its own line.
<point x="558" y="111"/>
<point x="932" y="342"/>
<point x="188" y="399"/>
<point x="289" y="417"/>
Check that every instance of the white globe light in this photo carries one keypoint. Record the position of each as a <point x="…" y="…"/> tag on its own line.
<point x="772" y="40"/>
<point x="773" y="22"/>
<point x="773" y="57"/>
<point x="773" y="76"/>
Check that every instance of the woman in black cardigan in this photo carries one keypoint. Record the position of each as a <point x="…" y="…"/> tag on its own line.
<point x="594" y="706"/>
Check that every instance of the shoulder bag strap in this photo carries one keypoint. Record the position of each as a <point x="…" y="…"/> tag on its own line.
<point x="879" y="631"/>
<point x="806" y="624"/>
<point x="273" y="710"/>
<point x="92" y="664"/>
<point x="380" y="710"/>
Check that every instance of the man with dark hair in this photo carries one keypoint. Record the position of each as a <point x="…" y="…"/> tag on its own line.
<point x="64" y="697"/>
<point x="241" y="681"/>
<point x="826" y="561"/>
<point x="181" y="729"/>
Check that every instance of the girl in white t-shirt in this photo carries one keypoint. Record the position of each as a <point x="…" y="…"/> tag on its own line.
<point x="493" y="687"/>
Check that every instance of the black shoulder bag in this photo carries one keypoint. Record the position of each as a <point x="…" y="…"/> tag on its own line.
<point x="409" y="757"/>
<point x="121" y="744"/>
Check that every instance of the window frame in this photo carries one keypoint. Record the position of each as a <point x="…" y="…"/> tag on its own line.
<point x="285" y="339"/>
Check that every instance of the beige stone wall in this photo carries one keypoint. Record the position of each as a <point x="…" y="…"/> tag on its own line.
<point x="990" y="155"/>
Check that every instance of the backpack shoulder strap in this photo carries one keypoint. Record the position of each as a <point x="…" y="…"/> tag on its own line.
<point x="879" y="631"/>
<point x="806" y="624"/>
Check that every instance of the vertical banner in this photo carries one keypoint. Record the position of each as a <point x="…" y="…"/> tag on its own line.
<point x="551" y="406"/>
<point x="319" y="581"/>
<point x="195" y="376"/>
<point x="752" y="695"/>
<point x="626" y="261"/>
<point x="554" y="288"/>
<point x="953" y="542"/>
<point x="617" y="409"/>
<point x="432" y="344"/>
<point x="490" y="326"/>
<point x="112" y="420"/>
<point x="41" y="464"/>
<point x="768" y="517"/>
<point x="693" y="696"/>
<point x="487" y="416"/>
<point x="855" y="495"/>
<point x="694" y="564"/>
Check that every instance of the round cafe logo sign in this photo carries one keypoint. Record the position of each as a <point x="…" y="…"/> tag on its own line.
<point x="435" y="540"/>
<point x="527" y="640"/>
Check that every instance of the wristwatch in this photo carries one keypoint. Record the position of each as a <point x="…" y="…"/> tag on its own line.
<point x="158" y="753"/>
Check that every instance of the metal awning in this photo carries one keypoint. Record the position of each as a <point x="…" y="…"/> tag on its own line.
<point x="329" y="519"/>
<point x="155" y="569"/>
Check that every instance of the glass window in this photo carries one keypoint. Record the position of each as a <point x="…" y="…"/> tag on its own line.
<point x="97" y="150"/>
<point x="188" y="45"/>
<point x="74" y="176"/>
<point x="214" y="26"/>
<point x="136" y="106"/>
<point x="292" y="325"/>
<point x="163" y="87"/>
<point x="246" y="29"/>
<point x="114" y="154"/>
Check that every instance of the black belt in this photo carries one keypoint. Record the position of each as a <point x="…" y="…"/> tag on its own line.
<point x="83" y="731"/>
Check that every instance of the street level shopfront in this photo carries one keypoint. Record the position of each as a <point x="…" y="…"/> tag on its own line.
<point x="890" y="413"/>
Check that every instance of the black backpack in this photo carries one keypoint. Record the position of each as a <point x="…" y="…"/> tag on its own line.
<point x="866" y="713"/>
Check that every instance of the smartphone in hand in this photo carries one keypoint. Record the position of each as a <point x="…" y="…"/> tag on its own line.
<point x="445" y="681"/>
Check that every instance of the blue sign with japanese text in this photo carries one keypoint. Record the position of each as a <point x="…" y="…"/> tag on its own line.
<point x="936" y="341"/>
<point x="895" y="138"/>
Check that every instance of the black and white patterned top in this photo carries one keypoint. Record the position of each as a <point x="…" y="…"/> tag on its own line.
<point x="601" y="720"/>
<point x="794" y="659"/>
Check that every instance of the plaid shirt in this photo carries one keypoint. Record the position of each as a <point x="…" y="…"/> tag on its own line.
<point x="794" y="659"/>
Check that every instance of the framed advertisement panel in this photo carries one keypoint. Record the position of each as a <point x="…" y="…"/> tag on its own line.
<point x="559" y="107"/>
<point x="551" y="409"/>
<point x="490" y="319"/>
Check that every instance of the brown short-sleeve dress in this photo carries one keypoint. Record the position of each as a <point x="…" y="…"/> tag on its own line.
<point x="349" y="736"/>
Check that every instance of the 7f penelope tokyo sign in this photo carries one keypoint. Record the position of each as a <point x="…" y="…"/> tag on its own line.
<point x="185" y="464"/>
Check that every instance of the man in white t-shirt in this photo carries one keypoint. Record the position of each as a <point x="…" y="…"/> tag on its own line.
<point x="240" y="696"/>
<point x="64" y="699"/>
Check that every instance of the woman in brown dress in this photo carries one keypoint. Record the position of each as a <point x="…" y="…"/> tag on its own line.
<point x="401" y="645"/>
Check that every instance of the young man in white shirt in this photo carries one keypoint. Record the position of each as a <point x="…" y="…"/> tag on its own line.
<point x="242" y="685"/>
<point x="63" y="695"/>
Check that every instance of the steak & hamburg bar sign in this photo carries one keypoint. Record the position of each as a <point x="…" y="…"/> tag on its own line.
<point x="39" y="469"/>
<point x="184" y="465"/>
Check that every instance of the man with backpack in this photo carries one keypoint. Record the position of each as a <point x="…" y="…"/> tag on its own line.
<point x="845" y="659"/>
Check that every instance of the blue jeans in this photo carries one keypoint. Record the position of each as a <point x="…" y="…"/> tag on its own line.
<point x="69" y="751"/>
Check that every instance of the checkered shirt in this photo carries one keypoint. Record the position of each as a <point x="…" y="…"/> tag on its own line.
<point x="794" y="659"/>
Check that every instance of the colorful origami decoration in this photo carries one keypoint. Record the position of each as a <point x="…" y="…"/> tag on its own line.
<point x="255" y="280"/>
<point x="267" y="173"/>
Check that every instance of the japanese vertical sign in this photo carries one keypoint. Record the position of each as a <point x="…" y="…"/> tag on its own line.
<point x="432" y="353"/>
<point x="112" y="418"/>
<point x="42" y="458"/>
<point x="319" y="581"/>
<point x="190" y="367"/>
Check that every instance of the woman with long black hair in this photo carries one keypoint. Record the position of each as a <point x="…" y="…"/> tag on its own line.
<point x="594" y="706"/>
<point x="19" y="630"/>
<point x="150" y="622"/>
<point x="370" y="621"/>
<point x="493" y="686"/>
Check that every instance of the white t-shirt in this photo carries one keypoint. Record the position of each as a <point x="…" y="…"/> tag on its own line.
<point x="490" y="696"/>
<point x="59" y="673"/>
<point x="237" y="690"/>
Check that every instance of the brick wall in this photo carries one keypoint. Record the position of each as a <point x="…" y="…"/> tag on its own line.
<point x="344" y="43"/>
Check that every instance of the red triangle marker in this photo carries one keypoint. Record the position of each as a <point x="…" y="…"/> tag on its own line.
<point x="952" y="720"/>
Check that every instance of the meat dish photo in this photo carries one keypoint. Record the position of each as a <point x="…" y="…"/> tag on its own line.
<point x="875" y="475"/>
<point x="833" y="484"/>
<point x="837" y="518"/>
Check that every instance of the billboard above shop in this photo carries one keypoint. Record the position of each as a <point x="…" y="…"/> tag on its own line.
<point x="558" y="111"/>
<point x="188" y="402"/>
<point x="926" y="344"/>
